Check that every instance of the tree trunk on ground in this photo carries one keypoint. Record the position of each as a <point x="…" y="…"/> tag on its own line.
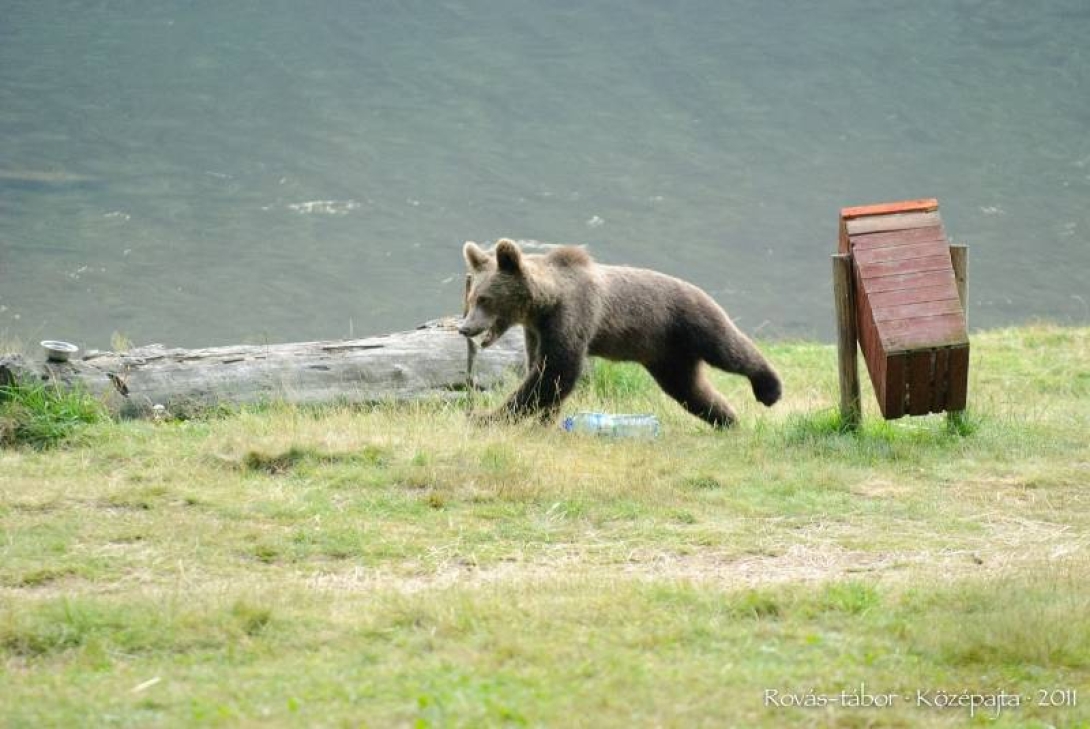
<point x="430" y="361"/>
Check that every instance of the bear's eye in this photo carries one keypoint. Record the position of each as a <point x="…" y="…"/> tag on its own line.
<point x="484" y="300"/>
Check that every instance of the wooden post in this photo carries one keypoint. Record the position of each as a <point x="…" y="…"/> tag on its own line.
<point x="851" y="411"/>
<point x="959" y="260"/>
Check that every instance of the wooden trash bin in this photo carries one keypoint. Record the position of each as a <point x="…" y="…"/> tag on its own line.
<point x="909" y="309"/>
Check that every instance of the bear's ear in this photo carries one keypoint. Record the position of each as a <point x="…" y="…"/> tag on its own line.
<point x="508" y="255"/>
<point x="476" y="257"/>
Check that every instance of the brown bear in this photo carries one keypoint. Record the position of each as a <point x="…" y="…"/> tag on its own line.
<point x="570" y="306"/>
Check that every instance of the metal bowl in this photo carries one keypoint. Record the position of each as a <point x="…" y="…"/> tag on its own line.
<point x="56" y="351"/>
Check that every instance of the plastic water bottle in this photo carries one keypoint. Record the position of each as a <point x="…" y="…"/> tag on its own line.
<point x="614" y="426"/>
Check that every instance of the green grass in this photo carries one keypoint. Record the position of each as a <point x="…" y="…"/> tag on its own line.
<point x="42" y="415"/>
<point x="399" y="566"/>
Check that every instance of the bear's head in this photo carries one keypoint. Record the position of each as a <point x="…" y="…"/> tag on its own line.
<point x="500" y="291"/>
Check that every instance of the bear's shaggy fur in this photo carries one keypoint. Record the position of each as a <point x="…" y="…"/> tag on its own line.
<point x="570" y="306"/>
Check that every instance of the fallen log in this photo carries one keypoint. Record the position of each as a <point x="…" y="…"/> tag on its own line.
<point x="430" y="361"/>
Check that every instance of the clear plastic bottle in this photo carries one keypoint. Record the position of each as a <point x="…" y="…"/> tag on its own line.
<point x="615" y="426"/>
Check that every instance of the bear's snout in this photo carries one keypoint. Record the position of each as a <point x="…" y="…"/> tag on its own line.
<point x="468" y="330"/>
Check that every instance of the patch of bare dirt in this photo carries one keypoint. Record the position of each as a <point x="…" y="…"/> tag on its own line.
<point x="1021" y="544"/>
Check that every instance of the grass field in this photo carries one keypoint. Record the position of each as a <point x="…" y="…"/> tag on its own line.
<point x="398" y="566"/>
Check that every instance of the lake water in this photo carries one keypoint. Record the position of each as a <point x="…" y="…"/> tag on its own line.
<point x="200" y="173"/>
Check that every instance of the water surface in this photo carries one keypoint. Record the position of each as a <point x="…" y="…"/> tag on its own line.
<point x="201" y="173"/>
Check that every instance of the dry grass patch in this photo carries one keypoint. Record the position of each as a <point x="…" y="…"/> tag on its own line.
<point x="289" y="566"/>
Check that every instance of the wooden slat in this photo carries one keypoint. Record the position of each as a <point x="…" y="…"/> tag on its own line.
<point x="958" y="377"/>
<point x="897" y="237"/>
<point x="876" y="359"/>
<point x="893" y="396"/>
<point x="871" y="344"/>
<point x="947" y="329"/>
<point x="931" y="331"/>
<point x="940" y="380"/>
<point x="903" y="281"/>
<point x="904" y="206"/>
<point x="869" y="340"/>
<point x="921" y="365"/>
<point x="882" y="223"/>
<point x="940" y="262"/>
<point x="897" y="297"/>
<point x="916" y="310"/>
<point x="902" y="252"/>
<point x="864" y="322"/>
<point x="912" y="295"/>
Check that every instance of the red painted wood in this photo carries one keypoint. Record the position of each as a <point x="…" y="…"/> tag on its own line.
<point x="897" y="237"/>
<point x="902" y="281"/>
<point x="904" y="206"/>
<point x="870" y="341"/>
<point x="941" y="381"/>
<point x="910" y="321"/>
<point x="894" y="388"/>
<point x="921" y="366"/>
<point x="897" y="297"/>
<point x="883" y="223"/>
<point x="958" y="378"/>
<point x="940" y="262"/>
<point x="902" y="252"/>
<point x="946" y="330"/>
<point x="916" y="309"/>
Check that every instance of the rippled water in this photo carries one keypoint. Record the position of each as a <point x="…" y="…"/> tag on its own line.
<point x="205" y="173"/>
